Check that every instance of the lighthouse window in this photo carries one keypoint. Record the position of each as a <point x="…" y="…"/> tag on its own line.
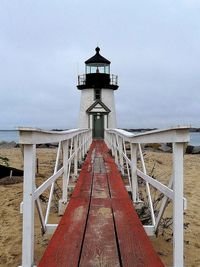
<point x="97" y="94"/>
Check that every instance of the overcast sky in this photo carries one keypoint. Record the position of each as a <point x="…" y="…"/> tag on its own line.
<point x="153" y="46"/>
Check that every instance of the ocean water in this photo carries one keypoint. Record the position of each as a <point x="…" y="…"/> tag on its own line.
<point x="13" y="135"/>
<point x="9" y="136"/>
<point x="195" y="139"/>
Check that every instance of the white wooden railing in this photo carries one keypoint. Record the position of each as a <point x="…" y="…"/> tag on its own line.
<point x="118" y="140"/>
<point x="74" y="145"/>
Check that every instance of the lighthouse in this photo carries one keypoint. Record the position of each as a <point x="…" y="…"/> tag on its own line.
<point x="97" y="85"/>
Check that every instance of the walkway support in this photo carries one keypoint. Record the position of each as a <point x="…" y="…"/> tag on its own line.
<point x="179" y="137"/>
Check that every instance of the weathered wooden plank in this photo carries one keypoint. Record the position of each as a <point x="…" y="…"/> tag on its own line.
<point x="99" y="166"/>
<point x="65" y="246"/>
<point x="99" y="247"/>
<point x="135" y="247"/>
<point x="117" y="188"/>
<point x="100" y="186"/>
<point x="83" y="186"/>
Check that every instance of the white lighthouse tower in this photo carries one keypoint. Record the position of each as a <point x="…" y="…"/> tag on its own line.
<point x="97" y="85"/>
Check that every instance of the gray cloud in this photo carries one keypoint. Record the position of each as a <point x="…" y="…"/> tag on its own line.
<point x="153" y="46"/>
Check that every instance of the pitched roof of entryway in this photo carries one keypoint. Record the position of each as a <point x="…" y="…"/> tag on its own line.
<point x="98" y="106"/>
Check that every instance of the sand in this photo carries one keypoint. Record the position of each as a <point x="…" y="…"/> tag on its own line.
<point x="11" y="197"/>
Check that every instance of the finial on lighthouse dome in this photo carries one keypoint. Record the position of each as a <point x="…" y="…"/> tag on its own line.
<point x="97" y="50"/>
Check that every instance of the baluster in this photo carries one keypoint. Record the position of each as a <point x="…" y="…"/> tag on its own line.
<point x="112" y="144"/>
<point x="83" y="146"/>
<point x="134" y="172"/>
<point x="65" y="182"/>
<point x="127" y="164"/>
<point x="75" y="156"/>
<point x="28" y="205"/>
<point x="121" y="161"/>
<point x="178" y="239"/>
<point x="116" y="150"/>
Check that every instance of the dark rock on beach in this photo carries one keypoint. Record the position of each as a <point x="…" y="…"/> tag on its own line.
<point x="192" y="150"/>
<point x="165" y="148"/>
<point x="196" y="150"/>
<point x="168" y="148"/>
<point x="189" y="149"/>
<point x="48" y="145"/>
<point x="8" y="144"/>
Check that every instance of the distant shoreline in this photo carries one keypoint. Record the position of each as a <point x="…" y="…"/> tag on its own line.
<point x="192" y="129"/>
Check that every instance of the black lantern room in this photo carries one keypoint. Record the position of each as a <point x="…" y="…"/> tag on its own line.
<point x="97" y="74"/>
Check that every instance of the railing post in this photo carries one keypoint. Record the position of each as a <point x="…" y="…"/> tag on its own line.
<point x="87" y="141"/>
<point x="66" y="169"/>
<point x="28" y="206"/>
<point x="110" y="141"/>
<point x="76" y="156"/>
<point x="178" y="239"/>
<point x="134" y="171"/>
<point x="105" y="136"/>
<point x="112" y="144"/>
<point x="83" y="146"/>
<point x="121" y="161"/>
<point x="79" y="137"/>
<point x="63" y="201"/>
<point x="90" y="139"/>
<point x="115" y="148"/>
<point x="117" y="151"/>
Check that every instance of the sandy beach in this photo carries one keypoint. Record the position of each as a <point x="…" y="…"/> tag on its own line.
<point x="11" y="197"/>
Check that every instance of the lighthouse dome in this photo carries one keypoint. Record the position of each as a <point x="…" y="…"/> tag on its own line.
<point x="97" y="58"/>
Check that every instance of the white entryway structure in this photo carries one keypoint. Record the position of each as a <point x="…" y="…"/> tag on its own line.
<point x="97" y="85"/>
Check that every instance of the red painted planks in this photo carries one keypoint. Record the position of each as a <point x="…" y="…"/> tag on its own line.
<point x="83" y="186"/>
<point x="100" y="186"/>
<point x="109" y="199"/>
<point x="64" y="247"/>
<point x="117" y="188"/>
<point x="99" y="247"/>
<point x="135" y="247"/>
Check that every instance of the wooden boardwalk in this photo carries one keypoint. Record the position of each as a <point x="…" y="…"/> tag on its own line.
<point x="100" y="226"/>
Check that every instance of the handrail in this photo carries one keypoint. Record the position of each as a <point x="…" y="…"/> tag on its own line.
<point x="74" y="145"/>
<point x="38" y="136"/>
<point x="118" y="140"/>
<point x="169" y="135"/>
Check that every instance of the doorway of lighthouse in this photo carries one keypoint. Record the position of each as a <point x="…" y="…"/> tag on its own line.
<point x="98" y="126"/>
